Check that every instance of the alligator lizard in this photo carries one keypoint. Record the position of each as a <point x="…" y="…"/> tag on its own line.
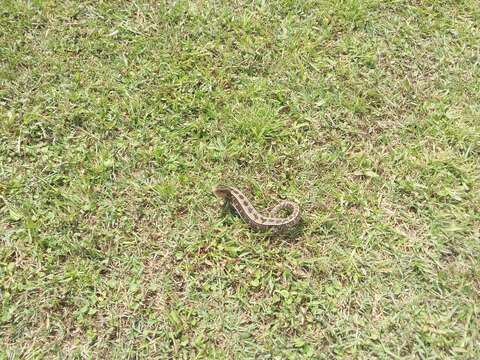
<point x="248" y="213"/>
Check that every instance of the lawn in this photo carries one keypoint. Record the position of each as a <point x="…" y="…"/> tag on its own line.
<point x="118" y="117"/>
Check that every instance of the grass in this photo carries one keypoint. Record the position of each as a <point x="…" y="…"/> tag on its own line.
<point x="117" y="118"/>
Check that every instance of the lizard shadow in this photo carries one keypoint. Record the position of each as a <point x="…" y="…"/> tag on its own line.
<point x="287" y="235"/>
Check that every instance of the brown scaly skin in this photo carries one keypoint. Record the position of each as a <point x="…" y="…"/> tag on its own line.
<point x="248" y="213"/>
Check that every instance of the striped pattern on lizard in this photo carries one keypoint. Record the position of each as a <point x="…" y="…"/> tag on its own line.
<point x="247" y="212"/>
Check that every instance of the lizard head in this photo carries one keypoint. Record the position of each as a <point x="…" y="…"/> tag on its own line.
<point x="222" y="191"/>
